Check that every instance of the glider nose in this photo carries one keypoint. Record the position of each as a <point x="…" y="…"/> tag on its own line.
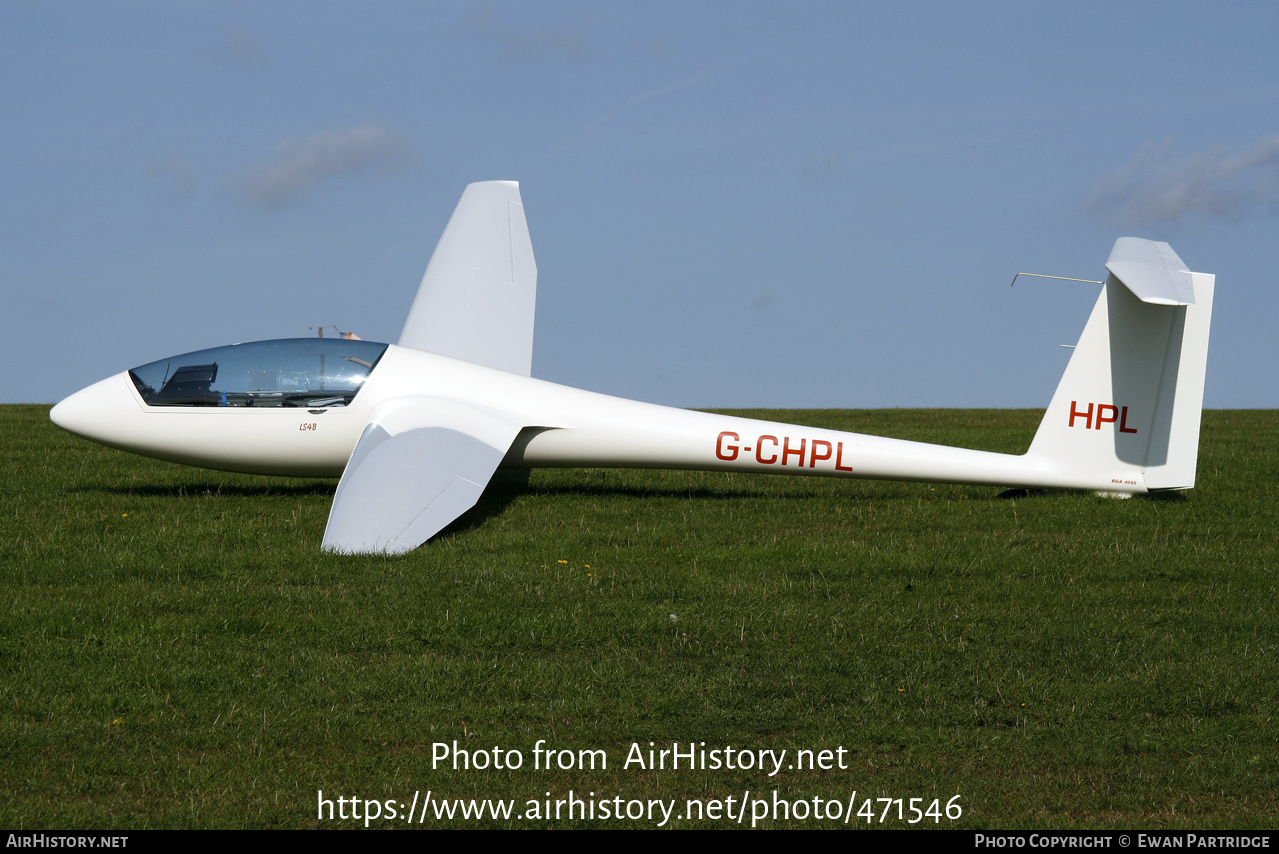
<point x="100" y="413"/>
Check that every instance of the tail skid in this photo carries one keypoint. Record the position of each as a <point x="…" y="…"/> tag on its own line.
<point x="1125" y="417"/>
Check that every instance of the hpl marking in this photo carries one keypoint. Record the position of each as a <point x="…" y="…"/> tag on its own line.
<point x="1119" y="414"/>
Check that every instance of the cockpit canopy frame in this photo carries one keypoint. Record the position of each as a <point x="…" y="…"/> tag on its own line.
<point x="312" y="373"/>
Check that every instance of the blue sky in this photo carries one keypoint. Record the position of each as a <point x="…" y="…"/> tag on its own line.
<point x="731" y="204"/>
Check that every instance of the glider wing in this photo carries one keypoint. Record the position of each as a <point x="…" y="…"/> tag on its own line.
<point x="421" y="463"/>
<point x="477" y="299"/>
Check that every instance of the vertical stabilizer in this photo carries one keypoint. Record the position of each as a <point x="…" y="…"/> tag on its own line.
<point x="1126" y="415"/>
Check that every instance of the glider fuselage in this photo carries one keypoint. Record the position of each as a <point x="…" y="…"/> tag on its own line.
<point x="565" y="427"/>
<point x="417" y="429"/>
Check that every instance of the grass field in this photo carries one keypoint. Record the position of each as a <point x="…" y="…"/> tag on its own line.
<point x="176" y="651"/>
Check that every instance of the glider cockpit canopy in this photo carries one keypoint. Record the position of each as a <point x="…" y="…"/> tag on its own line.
<point x="307" y="372"/>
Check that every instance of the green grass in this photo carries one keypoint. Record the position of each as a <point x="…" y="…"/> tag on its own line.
<point x="176" y="651"/>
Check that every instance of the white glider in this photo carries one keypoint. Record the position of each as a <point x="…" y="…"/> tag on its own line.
<point x="417" y="429"/>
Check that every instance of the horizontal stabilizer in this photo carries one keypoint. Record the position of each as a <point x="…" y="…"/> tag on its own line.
<point x="421" y="463"/>
<point x="1152" y="271"/>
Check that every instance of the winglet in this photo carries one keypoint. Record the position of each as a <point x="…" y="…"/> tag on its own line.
<point x="477" y="299"/>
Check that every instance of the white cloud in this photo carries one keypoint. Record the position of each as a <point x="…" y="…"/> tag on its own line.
<point x="298" y="165"/>
<point x="1159" y="186"/>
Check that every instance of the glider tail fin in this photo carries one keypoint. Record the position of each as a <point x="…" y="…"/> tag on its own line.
<point x="1125" y="417"/>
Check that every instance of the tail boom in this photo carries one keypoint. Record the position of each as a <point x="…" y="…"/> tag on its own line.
<point x="1124" y="419"/>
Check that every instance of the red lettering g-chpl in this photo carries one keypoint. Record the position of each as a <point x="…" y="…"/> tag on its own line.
<point x="812" y="460"/>
<point x="726" y="452"/>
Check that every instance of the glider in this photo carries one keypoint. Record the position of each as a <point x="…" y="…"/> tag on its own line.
<point x="417" y="429"/>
